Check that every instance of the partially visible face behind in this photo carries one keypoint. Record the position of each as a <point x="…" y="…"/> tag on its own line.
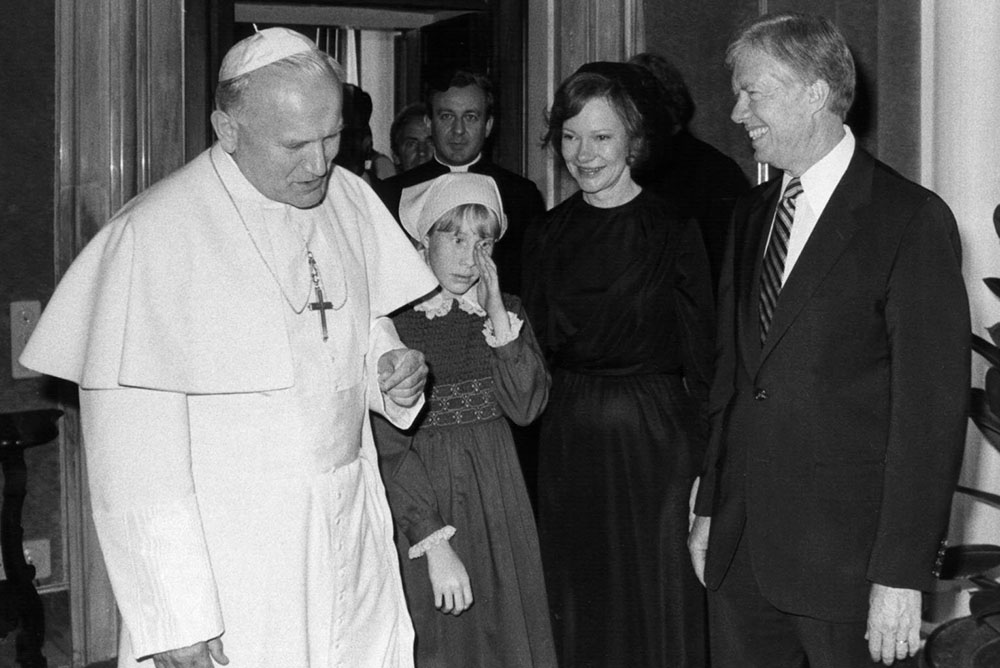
<point x="595" y="147"/>
<point x="459" y="124"/>
<point x="288" y="134"/>
<point x="773" y="105"/>
<point x="415" y="143"/>
<point x="450" y="257"/>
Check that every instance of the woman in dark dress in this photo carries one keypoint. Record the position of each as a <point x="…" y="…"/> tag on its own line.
<point x="619" y="292"/>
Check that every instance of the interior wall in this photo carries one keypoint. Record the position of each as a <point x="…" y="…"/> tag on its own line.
<point x="692" y="34"/>
<point x="962" y="141"/>
<point x="208" y="33"/>
<point x="377" y="70"/>
<point x="898" y="116"/>
<point x="540" y="83"/>
<point x="27" y="144"/>
<point x="508" y="28"/>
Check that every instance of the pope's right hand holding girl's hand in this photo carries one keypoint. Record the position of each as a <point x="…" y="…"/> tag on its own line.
<point x="402" y="374"/>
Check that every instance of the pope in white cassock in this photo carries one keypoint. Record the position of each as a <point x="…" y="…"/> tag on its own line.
<point x="227" y="330"/>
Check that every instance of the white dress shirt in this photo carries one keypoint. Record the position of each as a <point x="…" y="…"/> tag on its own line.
<point x="818" y="184"/>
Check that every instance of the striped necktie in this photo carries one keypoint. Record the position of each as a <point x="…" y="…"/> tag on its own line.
<point x="774" y="257"/>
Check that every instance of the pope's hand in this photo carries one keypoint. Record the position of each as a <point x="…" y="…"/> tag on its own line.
<point x="401" y="376"/>
<point x="198" y="655"/>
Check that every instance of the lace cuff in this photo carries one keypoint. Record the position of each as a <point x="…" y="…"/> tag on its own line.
<point x="495" y="341"/>
<point x="420" y="549"/>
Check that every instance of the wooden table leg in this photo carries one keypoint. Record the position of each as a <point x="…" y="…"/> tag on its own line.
<point x="20" y="574"/>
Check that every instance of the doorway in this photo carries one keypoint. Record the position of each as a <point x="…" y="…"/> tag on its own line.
<point x="388" y="48"/>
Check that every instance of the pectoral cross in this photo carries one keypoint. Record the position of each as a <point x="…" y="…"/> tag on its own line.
<point x="320" y="304"/>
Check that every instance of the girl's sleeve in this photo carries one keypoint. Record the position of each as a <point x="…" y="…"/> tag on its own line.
<point x="408" y="487"/>
<point x="520" y="378"/>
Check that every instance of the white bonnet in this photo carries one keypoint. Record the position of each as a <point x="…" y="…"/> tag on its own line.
<point x="421" y="206"/>
<point x="262" y="48"/>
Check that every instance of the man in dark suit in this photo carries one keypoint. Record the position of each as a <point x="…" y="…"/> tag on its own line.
<point x="460" y="104"/>
<point x="839" y="401"/>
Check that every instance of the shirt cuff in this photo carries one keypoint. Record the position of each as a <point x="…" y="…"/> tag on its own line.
<point x="421" y="548"/>
<point x="515" y="330"/>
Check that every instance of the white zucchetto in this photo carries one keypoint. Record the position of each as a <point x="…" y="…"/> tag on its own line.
<point x="262" y="48"/>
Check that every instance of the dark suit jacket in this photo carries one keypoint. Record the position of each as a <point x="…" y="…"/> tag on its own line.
<point x="521" y="201"/>
<point x="836" y="447"/>
<point x="702" y="183"/>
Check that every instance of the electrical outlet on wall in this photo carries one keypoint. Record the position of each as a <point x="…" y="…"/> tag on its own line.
<point x="38" y="553"/>
<point x="23" y="318"/>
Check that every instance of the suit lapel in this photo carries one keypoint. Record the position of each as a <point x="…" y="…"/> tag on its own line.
<point x="831" y="236"/>
<point x="751" y="245"/>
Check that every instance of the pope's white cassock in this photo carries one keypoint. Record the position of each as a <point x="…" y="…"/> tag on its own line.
<point x="232" y="470"/>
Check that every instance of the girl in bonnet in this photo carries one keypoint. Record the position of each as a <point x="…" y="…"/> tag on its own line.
<point x="465" y="529"/>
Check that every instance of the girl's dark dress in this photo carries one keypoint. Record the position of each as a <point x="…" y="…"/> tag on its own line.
<point x="458" y="467"/>
<point x="621" y="301"/>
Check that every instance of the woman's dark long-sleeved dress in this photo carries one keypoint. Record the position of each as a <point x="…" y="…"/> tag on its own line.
<point x="458" y="467"/>
<point x="621" y="302"/>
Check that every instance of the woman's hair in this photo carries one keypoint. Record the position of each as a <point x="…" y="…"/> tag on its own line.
<point x="583" y="86"/>
<point x="230" y="95"/>
<point x="677" y="97"/>
<point x="479" y="218"/>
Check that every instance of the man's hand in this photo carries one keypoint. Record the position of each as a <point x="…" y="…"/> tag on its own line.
<point x="698" y="544"/>
<point x="401" y="376"/>
<point x="198" y="655"/>
<point x="893" y="623"/>
<point x="449" y="579"/>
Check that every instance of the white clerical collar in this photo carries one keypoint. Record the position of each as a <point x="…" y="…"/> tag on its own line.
<point x="236" y="183"/>
<point x="437" y="305"/>
<point x="459" y="168"/>
<point x="820" y="180"/>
